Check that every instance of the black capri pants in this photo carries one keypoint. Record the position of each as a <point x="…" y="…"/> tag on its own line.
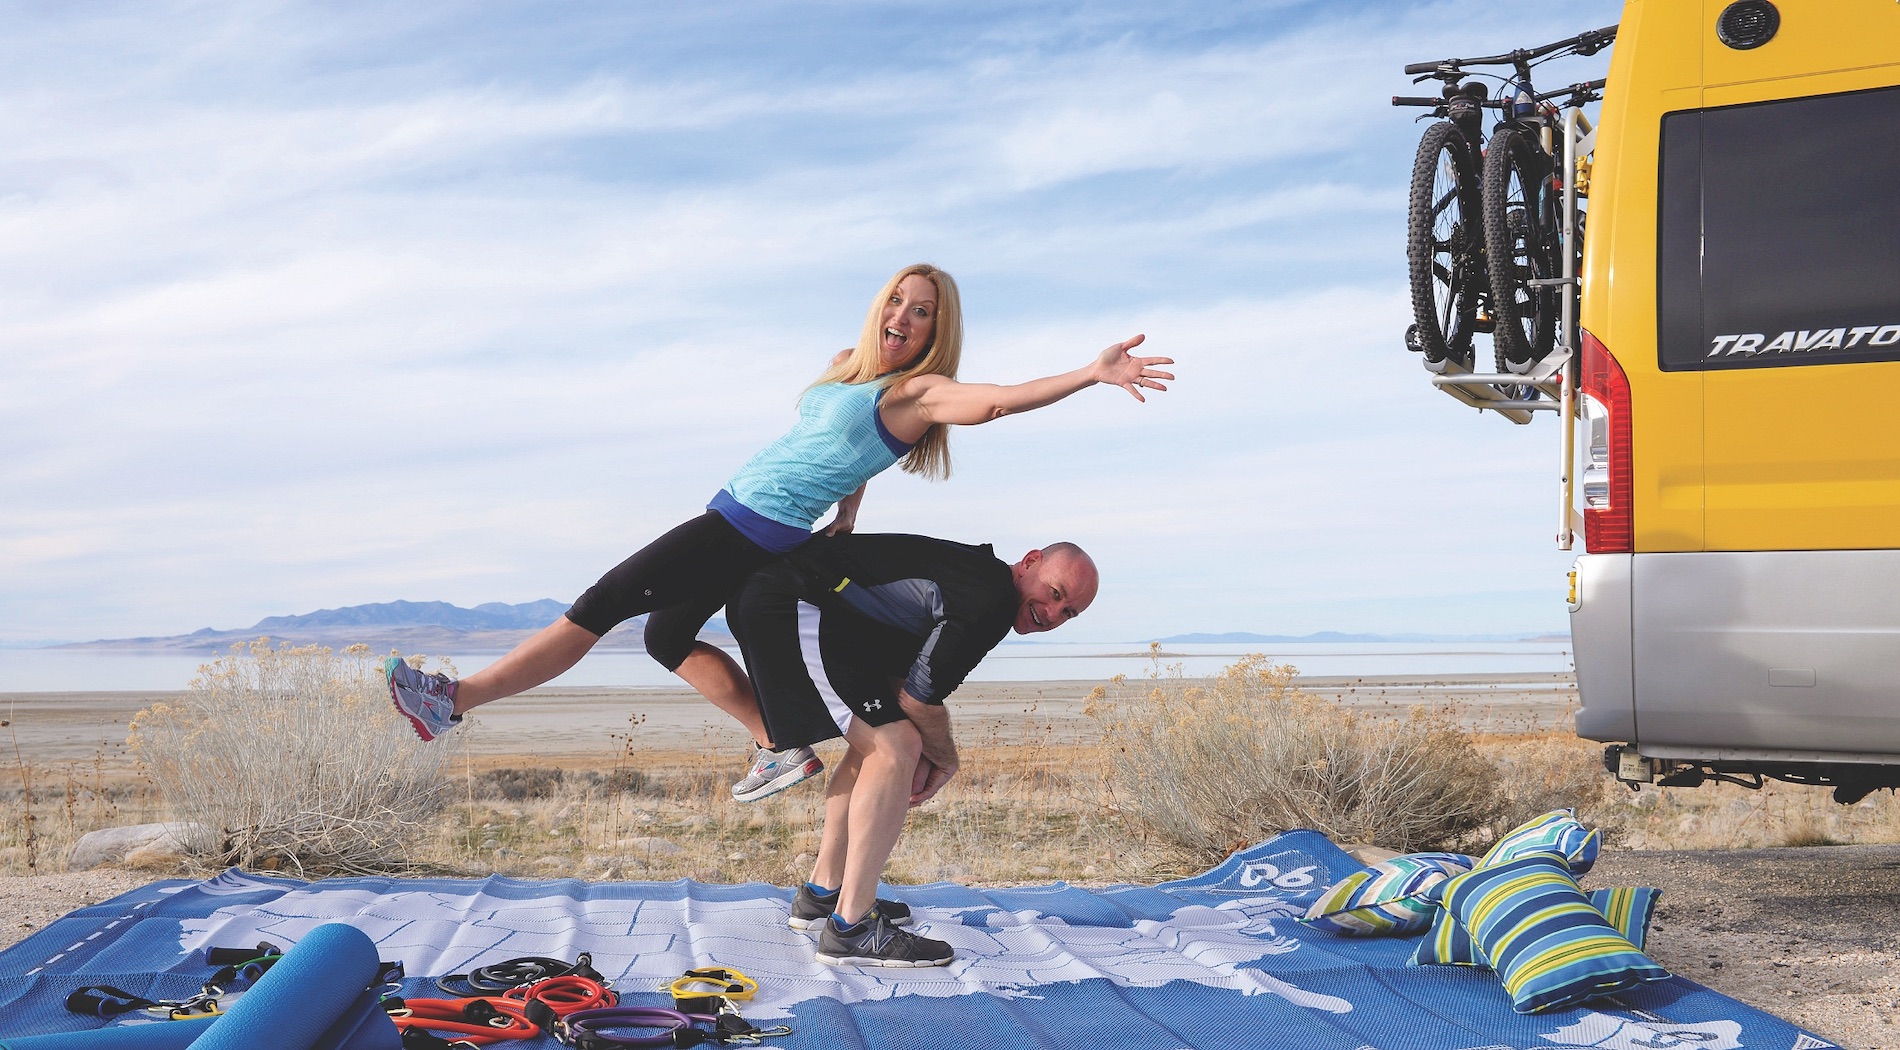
<point x="682" y="578"/>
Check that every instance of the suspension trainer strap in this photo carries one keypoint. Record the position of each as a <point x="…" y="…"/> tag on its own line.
<point x="103" y="1000"/>
<point x="513" y="973"/>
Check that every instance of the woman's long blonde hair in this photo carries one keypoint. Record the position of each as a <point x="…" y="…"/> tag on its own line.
<point x="930" y="457"/>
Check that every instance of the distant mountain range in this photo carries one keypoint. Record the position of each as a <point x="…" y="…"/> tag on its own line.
<point x="442" y="628"/>
<point x="413" y="627"/>
<point x="1243" y="638"/>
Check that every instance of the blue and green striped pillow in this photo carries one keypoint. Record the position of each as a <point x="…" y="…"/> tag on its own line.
<point x="1558" y="831"/>
<point x="1548" y="945"/>
<point x="1389" y="898"/>
<point x="1627" y="909"/>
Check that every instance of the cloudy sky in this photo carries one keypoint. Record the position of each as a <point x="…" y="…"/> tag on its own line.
<point x="307" y="305"/>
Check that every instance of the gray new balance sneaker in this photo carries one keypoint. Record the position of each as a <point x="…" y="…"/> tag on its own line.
<point x="774" y="771"/>
<point x="426" y="700"/>
<point x="875" y="942"/>
<point x="810" y="908"/>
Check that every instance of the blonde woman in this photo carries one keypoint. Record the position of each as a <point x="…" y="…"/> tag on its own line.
<point x="891" y="398"/>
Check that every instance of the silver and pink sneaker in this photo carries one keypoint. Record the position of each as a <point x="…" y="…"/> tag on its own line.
<point x="426" y="700"/>
<point x="774" y="771"/>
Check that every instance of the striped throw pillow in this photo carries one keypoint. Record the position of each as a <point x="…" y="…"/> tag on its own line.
<point x="1627" y="909"/>
<point x="1558" y="831"/>
<point x="1389" y="898"/>
<point x="1548" y="945"/>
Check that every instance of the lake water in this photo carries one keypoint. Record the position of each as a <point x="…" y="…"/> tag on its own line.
<point x="103" y="670"/>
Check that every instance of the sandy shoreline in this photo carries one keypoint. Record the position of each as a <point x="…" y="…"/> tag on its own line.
<point x="62" y="727"/>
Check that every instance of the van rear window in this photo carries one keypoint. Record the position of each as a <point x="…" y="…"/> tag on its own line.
<point x="1779" y="239"/>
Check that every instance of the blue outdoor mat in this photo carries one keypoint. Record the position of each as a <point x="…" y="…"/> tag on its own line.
<point x="1215" y="961"/>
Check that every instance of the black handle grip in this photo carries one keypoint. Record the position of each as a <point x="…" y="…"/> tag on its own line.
<point x="228" y="956"/>
<point x="1413" y="100"/>
<point x="1423" y="67"/>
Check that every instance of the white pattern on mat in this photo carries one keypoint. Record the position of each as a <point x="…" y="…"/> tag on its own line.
<point x="640" y="943"/>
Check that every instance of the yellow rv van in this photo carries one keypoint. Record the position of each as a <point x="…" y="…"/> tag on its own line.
<point x="1737" y="614"/>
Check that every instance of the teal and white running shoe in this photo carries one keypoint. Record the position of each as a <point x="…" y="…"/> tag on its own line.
<point x="426" y="700"/>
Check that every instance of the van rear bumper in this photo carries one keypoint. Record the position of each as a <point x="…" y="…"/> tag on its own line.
<point x="1708" y="654"/>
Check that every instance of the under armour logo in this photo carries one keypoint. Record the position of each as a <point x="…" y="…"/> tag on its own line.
<point x="874" y="705"/>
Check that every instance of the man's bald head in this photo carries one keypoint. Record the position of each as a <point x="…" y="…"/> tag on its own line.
<point x="1053" y="586"/>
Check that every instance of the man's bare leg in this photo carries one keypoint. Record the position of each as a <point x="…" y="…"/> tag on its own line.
<point x="720" y="679"/>
<point x="876" y="806"/>
<point x="541" y="659"/>
<point x="828" y="871"/>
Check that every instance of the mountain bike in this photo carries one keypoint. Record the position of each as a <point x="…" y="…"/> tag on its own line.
<point x="1444" y="244"/>
<point x="1484" y="234"/>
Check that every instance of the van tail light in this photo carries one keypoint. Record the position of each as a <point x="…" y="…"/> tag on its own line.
<point x="1605" y="402"/>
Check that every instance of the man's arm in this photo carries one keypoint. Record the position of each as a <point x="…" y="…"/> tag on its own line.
<point x="940" y="750"/>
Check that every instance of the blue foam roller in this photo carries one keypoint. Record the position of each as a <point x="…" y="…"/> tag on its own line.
<point x="314" y="986"/>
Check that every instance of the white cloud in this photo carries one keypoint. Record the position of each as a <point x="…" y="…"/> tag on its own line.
<point x="308" y="308"/>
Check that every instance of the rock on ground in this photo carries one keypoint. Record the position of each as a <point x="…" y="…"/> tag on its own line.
<point x="154" y="844"/>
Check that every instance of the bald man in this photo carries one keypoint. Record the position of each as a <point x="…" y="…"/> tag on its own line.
<point x="864" y="637"/>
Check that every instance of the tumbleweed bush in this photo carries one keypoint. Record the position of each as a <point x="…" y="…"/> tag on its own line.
<point x="1209" y="766"/>
<point x="296" y="759"/>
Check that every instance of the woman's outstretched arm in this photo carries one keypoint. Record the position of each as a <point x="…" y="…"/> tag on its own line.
<point x="916" y="404"/>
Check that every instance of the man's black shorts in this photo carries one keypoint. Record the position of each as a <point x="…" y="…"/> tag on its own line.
<point x="816" y="672"/>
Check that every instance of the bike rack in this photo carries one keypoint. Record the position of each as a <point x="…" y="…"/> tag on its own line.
<point x="1553" y="377"/>
<point x="1503" y="392"/>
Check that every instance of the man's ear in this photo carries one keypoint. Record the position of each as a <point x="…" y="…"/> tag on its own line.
<point x="1030" y="559"/>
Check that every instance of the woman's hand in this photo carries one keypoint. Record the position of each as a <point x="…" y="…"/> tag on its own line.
<point x="1117" y="367"/>
<point x="847" y="518"/>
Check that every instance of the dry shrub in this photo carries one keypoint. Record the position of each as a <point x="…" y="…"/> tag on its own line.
<point x="296" y="757"/>
<point x="1539" y="772"/>
<point x="1210" y="768"/>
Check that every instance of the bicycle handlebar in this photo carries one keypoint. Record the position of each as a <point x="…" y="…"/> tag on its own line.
<point x="1586" y="43"/>
<point x="1583" y="88"/>
<point x="1414" y="100"/>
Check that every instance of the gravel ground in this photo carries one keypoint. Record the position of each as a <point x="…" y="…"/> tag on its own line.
<point x="1807" y="934"/>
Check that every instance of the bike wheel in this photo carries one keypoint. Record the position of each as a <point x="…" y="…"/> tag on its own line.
<point x="1444" y="244"/>
<point x="1518" y="248"/>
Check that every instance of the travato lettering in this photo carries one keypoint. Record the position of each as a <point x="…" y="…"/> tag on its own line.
<point x="1804" y="341"/>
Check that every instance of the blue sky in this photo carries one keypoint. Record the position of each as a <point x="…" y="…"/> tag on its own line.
<point x="317" y="305"/>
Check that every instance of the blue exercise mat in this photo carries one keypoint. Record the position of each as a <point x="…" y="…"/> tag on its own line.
<point x="321" y="995"/>
<point x="1215" y="961"/>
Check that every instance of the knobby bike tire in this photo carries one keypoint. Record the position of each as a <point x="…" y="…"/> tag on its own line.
<point x="1518" y="237"/>
<point x="1444" y="244"/>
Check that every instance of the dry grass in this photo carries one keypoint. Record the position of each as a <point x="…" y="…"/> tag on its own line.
<point x="44" y="809"/>
<point x="1539" y="772"/>
<point x="1018" y="812"/>
<point x="1042" y="805"/>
